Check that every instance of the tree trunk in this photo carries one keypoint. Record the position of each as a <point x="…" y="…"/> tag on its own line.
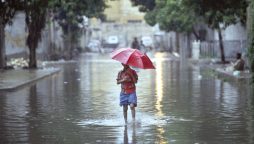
<point x="221" y="46"/>
<point x="195" y="33"/>
<point x="67" y="44"/>
<point x="35" y="21"/>
<point x="32" y="57"/>
<point x="2" y="45"/>
<point x="70" y="43"/>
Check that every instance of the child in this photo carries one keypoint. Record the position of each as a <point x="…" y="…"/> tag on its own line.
<point x="128" y="78"/>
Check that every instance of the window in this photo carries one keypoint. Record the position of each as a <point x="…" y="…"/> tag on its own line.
<point x="134" y="21"/>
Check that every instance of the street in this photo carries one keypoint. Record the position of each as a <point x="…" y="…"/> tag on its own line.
<point x="177" y="103"/>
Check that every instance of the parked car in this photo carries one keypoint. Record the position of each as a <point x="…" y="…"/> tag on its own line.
<point x="110" y="42"/>
<point x="94" y="45"/>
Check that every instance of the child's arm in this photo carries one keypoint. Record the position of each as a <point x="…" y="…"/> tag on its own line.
<point x="125" y="79"/>
<point x="118" y="80"/>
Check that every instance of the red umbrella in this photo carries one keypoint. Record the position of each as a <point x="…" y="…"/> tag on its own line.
<point x="132" y="57"/>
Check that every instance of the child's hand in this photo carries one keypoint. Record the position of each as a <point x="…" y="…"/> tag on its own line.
<point x="118" y="81"/>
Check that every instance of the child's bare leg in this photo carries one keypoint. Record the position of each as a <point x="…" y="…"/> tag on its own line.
<point x="133" y="113"/>
<point x="125" y="109"/>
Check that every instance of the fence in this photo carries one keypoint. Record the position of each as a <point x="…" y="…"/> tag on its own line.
<point x="231" y="47"/>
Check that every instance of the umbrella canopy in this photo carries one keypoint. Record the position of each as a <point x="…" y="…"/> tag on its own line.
<point x="132" y="57"/>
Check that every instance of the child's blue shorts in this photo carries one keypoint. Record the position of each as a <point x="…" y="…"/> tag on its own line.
<point x="127" y="99"/>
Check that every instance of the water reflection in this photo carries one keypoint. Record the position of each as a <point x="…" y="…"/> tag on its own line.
<point x="4" y="138"/>
<point x="159" y="93"/>
<point x="130" y="136"/>
<point x="159" y="83"/>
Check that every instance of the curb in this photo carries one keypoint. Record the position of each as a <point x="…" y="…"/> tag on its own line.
<point x="244" y="77"/>
<point x="30" y="81"/>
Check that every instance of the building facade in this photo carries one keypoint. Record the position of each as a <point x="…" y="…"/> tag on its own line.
<point x="122" y="12"/>
<point x="123" y="21"/>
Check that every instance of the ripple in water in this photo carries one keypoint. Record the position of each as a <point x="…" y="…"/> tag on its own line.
<point x="142" y="120"/>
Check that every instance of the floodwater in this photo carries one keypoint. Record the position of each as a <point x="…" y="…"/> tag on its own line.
<point x="177" y="103"/>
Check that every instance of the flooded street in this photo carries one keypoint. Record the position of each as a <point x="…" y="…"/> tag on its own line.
<point x="177" y="103"/>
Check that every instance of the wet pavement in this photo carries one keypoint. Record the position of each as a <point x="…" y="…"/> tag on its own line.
<point x="177" y="103"/>
<point x="17" y="78"/>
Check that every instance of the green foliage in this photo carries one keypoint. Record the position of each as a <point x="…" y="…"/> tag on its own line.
<point x="172" y="15"/>
<point x="144" y="5"/>
<point x="177" y="17"/>
<point x="8" y="9"/>
<point x="150" y="18"/>
<point x="216" y="12"/>
<point x="182" y="15"/>
<point x="69" y="13"/>
<point x="35" y="11"/>
<point x="35" y="19"/>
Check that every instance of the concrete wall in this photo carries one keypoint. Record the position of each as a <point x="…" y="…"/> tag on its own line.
<point x="125" y="32"/>
<point x="15" y="36"/>
<point x="15" y="40"/>
<point x="233" y="32"/>
<point x="235" y="40"/>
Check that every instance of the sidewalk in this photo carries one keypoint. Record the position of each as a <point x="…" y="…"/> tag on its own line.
<point x="221" y="70"/>
<point x="13" y="79"/>
<point x="239" y="76"/>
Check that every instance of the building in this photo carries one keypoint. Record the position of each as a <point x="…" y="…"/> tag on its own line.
<point x="122" y="21"/>
<point x="122" y="12"/>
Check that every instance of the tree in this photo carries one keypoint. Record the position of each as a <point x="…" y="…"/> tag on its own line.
<point x="185" y="14"/>
<point x="7" y="12"/>
<point x="219" y="14"/>
<point x="69" y="15"/>
<point x="35" y="20"/>
<point x="171" y="15"/>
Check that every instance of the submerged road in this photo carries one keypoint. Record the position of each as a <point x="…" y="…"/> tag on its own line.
<point x="177" y="103"/>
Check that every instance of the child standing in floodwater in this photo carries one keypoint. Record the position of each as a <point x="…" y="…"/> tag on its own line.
<point x="128" y="78"/>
